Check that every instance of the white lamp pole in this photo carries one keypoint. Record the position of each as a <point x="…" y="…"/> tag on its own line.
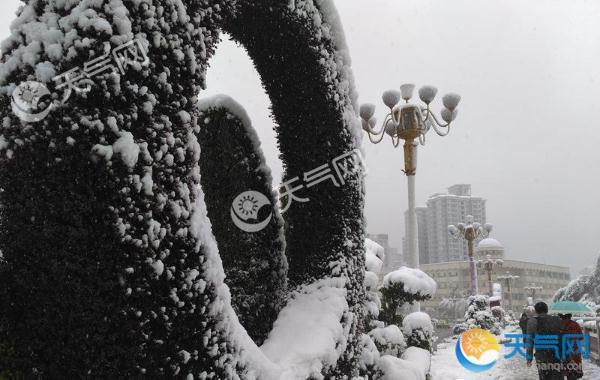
<point x="489" y="264"/>
<point x="509" y="278"/>
<point x="410" y="122"/>
<point x="470" y="231"/>
<point x="532" y="289"/>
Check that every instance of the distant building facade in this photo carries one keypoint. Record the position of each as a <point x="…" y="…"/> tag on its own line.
<point x="453" y="278"/>
<point x="442" y="209"/>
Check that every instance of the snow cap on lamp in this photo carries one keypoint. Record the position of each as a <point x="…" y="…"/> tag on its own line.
<point x="427" y="94"/>
<point x="451" y="101"/>
<point x="407" y="91"/>
<point x="367" y="111"/>
<point x="391" y="98"/>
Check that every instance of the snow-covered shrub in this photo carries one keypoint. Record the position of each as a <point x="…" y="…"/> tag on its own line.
<point x="112" y="269"/>
<point x="254" y="262"/>
<point x="369" y="356"/>
<point x="478" y="315"/>
<point x="405" y="285"/>
<point x="418" y="330"/>
<point x="585" y="288"/>
<point x="388" y="340"/>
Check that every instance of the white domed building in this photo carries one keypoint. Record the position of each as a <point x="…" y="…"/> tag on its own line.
<point x="453" y="278"/>
<point x="489" y="246"/>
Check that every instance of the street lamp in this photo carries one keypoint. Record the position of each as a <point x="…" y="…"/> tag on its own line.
<point x="409" y="122"/>
<point x="508" y="279"/>
<point x="532" y="289"/>
<point x="470" y="231"/>
<point x="488" y="264"/>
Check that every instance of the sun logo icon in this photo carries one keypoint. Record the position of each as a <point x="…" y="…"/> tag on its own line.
<point x="248" y="205"/>
<point x="31" y="101"/>
<point x="477" y="350"/>
<point x="245" y="208"/>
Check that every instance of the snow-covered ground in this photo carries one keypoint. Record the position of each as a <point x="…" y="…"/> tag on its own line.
<point x="444" y="366"/>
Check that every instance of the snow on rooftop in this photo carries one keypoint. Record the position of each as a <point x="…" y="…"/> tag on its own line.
<point x="414" y="281"/>
<point x="489" y="243"/>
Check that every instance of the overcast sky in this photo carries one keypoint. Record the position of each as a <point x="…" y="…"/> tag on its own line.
<point x="527" y="136"/>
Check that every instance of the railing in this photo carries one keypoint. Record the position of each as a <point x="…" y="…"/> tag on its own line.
<point x="591" y="328"/>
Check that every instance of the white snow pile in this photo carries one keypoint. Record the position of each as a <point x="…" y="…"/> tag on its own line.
<point x="389" y="340"/>
<point x="126" y="148"/>
<point x="308" y="334"/>
<point x="400" y="369"/>
<point x="417" y="320"/>
<point x="414" y="281"/>
<point x="374" y="256"/>
<point x="418" y="356"/>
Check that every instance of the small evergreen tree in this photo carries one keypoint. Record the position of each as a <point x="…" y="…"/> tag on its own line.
<point x="418" y="330"/>
<point x="404" y="286"/>
<point x="478" y="315"/>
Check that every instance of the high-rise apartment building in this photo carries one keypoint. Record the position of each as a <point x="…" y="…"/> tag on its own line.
<point x="435" y="243"/>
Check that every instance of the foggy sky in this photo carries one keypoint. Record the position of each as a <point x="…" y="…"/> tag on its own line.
<point x="527" y="132"/>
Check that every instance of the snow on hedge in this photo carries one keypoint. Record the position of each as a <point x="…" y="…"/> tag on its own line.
<point x="308" y="335"/>
<point x="375" y="249"/>
<point x="374" y="256"/>
<point x="414" y="281"/>
<point x="417" y="320"/>
<point x="389" y="340"/>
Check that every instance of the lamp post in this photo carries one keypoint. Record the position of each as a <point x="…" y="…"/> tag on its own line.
<point x="410" y="122"/>
<point x="470" y="231"/>
<point x="532" y="289"/>
<point x="508" y="279"/>
<point x="488" y="264"/>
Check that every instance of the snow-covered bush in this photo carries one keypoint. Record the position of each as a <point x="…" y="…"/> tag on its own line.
<point x="254" y="262"/>
<point x="392" y="368"/>
<point x="418" y="330"/>
<point x="585" y="289"/>
<point x="388" y="340"/>
<point x="405" y="285"/>
<point x="478" y="315"/>
<point x="112" y="270"/>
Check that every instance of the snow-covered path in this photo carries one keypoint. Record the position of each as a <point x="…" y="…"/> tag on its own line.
<point x="444" y="366"/>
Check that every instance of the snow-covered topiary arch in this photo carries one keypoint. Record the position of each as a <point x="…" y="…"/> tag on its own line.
<point x="110" y="269"/>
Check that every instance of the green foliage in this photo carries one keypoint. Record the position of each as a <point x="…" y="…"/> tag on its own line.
<point x="420" y="338"/>
<point x="254" y="262"/>
<point x="393" y="298"/>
